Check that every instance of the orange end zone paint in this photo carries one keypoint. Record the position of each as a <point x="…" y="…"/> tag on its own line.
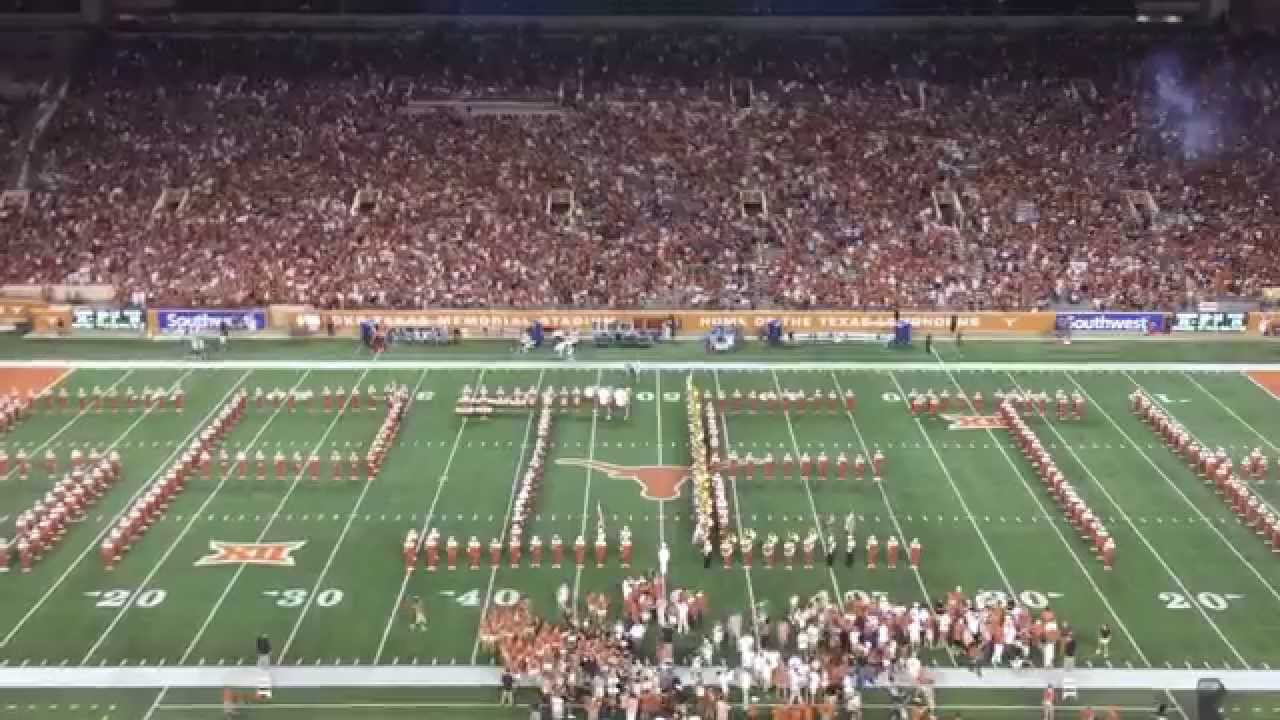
<point x="1269" y="381"/>
<point x="21" y="380"/>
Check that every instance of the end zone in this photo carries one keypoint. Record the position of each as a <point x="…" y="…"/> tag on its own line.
<point x="32" y="379"/>
<point x="1267" y="380"/>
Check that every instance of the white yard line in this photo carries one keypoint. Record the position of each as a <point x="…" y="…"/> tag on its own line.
<point x="1120" y="623"/>
<point x="93" y="544"/>
<point x="119" y="616"/>
<point x="586" y="493"/>
<point x="808" y="491"/>
<point x="1177" y="706"/>
<point x="888" y="506"/>
<point x="737" y="512"/>
<point x="662" y="504"/>
<point x="155" y="704"/>
<point x="72" y="421"/>
<point x="506" y="518"/>
<point x="351" y="516"/>
<point x="222" y="598"/>
<point x="1230" y="412"/>
<point x="1004" y="577"/>
<point x="1138" y="449"/>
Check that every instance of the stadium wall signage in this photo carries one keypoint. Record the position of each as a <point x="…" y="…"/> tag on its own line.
<point x="347" y="321"/>
<point x="85" y="317"/>
<point x="17" y="311"/>
<point x="174" y="321"/>
<point x="1214" y="322"/>
<point x="1131" y="322"/>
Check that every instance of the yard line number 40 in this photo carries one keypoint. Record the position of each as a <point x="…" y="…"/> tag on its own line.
<point x="502" y="597"/>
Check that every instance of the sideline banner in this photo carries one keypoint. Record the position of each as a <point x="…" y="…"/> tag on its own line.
<point x="1132" y="322"/>
<point x="181" y="321"/>
<point x="18" y="310"/>
<point x="854" y="321"/>
<point x="481" y="322"/>
<point x="89" y="318"/>
<point x="1264" y="323"/>
<point x="1211" y="322"/>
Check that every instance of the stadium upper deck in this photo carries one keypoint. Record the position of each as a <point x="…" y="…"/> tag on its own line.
<point x="1130" y="170"/>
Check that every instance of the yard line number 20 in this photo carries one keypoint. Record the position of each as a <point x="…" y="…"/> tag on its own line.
<point x="119" y="597"/>
<point x="1207" y="600"/>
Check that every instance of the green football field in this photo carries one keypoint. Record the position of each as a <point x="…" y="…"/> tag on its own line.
<point x="1192" y="589"/>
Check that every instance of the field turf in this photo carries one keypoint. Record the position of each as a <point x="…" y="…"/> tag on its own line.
<point x="1192" y="588"/>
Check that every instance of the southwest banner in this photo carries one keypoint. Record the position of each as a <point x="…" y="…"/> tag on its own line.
<point x="1131" y="322"/>
<point x="208" y="320"/>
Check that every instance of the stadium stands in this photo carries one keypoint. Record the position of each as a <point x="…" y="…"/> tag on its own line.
<point x="926" y="171"/>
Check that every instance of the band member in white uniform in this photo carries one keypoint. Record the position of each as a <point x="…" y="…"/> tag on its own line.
<point x="622" y="400"/>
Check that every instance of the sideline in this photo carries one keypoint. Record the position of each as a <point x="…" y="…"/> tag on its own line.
<point x="884" y="366"/>
<point x="382" y="676"/>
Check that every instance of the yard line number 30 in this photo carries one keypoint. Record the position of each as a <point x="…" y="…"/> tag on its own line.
<point x="297" y="597"/>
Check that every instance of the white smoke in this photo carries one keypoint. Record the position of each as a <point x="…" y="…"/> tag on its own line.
<point x="1184" y="115"/>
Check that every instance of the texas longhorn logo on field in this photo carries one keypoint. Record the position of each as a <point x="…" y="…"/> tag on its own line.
<point x="657" y="482"/>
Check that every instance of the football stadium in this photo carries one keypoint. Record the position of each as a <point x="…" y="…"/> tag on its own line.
<point x="799" y="360"/>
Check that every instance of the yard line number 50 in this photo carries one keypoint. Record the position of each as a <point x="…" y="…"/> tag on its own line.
<point x="647" y="396"/>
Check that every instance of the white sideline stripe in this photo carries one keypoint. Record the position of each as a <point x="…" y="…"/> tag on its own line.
<point x="1239" y="419"/>
<point x="487" y="676"/>
<point x="93" y="544"/>
<point x="472" y="364"/>
<point x="737" y="511"/>
<point x="426" y="522"/>
<point x="1175" y="487"/>
<point x="1004" y="576"/>
<point x="213" y="612"/>
<point x="586" y="492"/>
<point x="67" y="425"/>
<point x="506" y="520"/>
<point x="342" y="536"/>
<point x="183" y="533"/>
<point x="808" y="491"/>
<point x="925" y="597"/>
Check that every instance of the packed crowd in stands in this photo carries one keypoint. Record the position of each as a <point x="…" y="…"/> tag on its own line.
<point x="1039" y="137"/>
